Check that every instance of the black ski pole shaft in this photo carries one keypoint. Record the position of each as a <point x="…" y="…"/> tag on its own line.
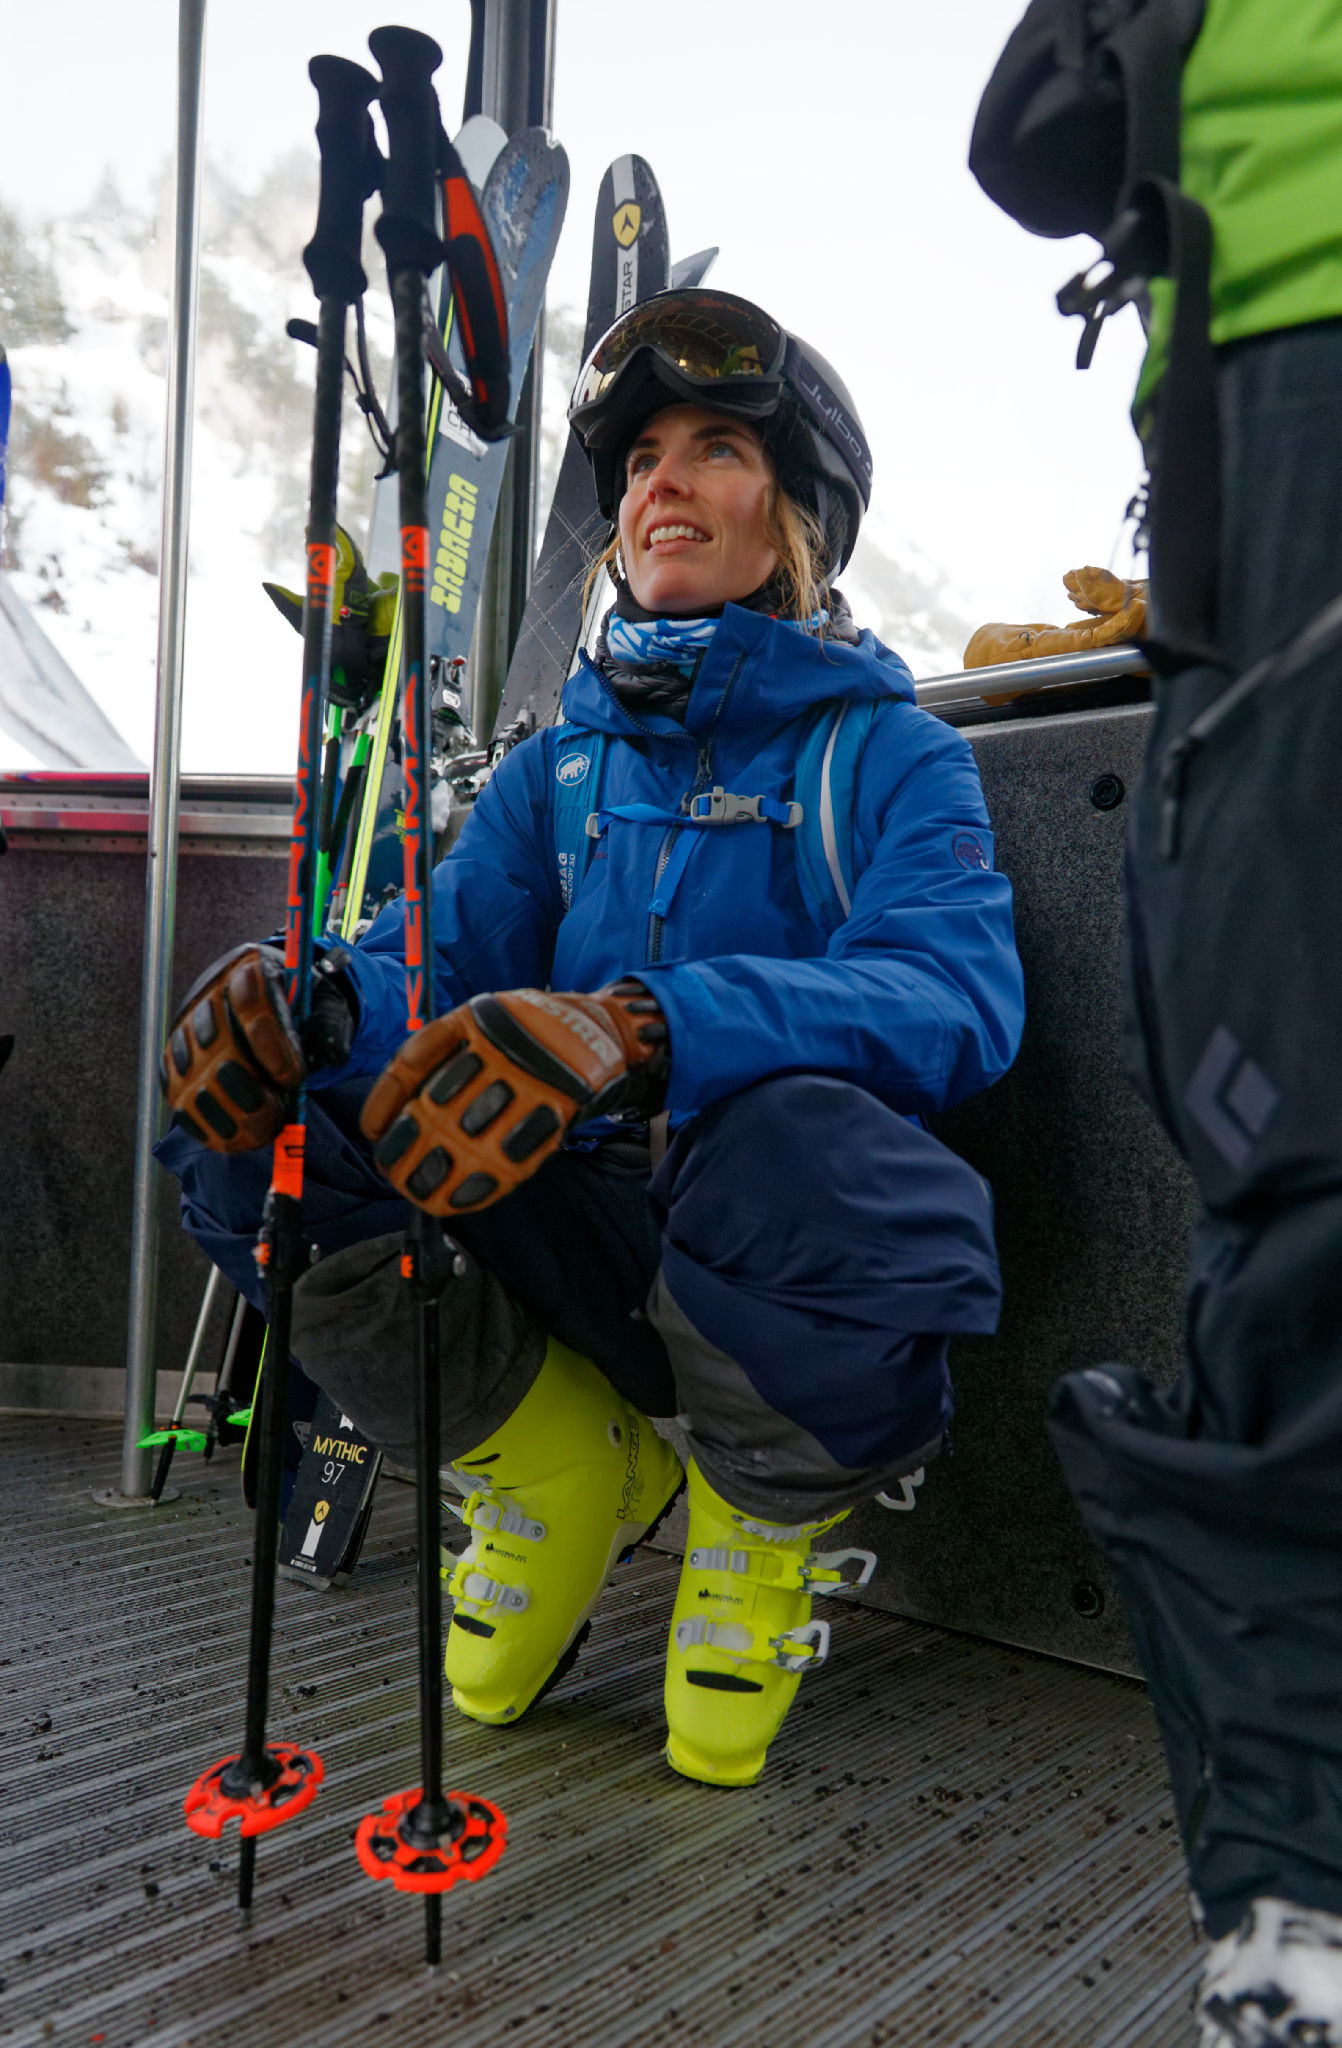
<point x="253" y="1784"/>
<point x="413" y="247"/>
<point x="284" y="1237"/>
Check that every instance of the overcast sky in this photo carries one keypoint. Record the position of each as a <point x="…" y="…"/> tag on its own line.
<point x="821" y="145"/>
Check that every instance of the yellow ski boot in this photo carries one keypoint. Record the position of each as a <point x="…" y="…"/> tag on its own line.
<point x="571" y="1481"/>
<point x="742" y="1633"/>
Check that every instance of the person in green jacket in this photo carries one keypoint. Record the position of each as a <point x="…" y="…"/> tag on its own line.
<point x="1219" y="1501"/>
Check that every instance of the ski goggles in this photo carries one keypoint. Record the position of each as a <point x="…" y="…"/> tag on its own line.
<point x="716" y="349"/>
<point x="711" y="342"/>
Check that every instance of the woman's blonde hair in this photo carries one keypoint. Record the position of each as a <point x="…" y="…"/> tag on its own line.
<point x="796" y="537"/>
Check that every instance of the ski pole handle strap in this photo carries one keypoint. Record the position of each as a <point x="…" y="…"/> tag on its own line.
<point x="471" y="1105"/>
<point x="349" y="173"/>
<point x="407" y="229"/>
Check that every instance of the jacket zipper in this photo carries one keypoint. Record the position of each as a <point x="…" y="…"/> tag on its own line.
<point x="703" y="777"/>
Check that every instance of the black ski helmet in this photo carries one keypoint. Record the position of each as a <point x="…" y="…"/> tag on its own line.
<point x="700" y="347"/>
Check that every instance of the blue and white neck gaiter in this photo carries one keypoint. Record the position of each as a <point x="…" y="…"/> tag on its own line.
<point x="659" y="643"/>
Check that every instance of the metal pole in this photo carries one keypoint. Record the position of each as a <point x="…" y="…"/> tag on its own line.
<point x="161" y="875"/>
<point x="518" y="93"/>
<point x="1007" y="679"/>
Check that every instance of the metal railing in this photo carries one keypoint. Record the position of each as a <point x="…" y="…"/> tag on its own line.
<point x="111" y="813"/>
<point x="1028" y="678"/>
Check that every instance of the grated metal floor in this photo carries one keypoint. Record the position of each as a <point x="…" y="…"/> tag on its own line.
<point x="954" y="1844"/>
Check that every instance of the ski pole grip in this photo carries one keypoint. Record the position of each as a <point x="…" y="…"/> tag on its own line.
<point x="407" y="230"/>
<point x="349" y="163"/>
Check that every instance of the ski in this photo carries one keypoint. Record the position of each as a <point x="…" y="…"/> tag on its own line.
<point x="332" y="1500"/>
<point x="477" y="144"/>
<point x="523" y="203"/>
<point x="692" y="270"/>
<point x="630" y="261"/>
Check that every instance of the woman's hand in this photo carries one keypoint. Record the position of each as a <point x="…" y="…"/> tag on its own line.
<point x="474" y="1103"/>
<point x="233" y="1055"/>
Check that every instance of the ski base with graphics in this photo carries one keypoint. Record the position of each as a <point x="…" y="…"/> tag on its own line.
<point x="523" y="205"/>
<point x="630" y="261"/>
<point x="332" y="1500"/>
<point x="477" y="144"/>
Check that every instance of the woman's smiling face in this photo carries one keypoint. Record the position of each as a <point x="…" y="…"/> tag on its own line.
<point x="693" y="515"/>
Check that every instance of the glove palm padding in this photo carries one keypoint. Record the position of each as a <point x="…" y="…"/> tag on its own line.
<point x="471" y="1105"/>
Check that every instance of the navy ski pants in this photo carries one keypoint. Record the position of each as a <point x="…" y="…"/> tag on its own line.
<point x="785" y="1282"/>
<point x="1219" y="1503"/>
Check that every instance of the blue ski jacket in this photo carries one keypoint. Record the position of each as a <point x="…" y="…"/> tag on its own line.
<point x="917" y="997"/>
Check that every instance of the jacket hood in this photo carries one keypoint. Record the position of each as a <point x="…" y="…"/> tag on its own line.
<point x="758" y="672"/>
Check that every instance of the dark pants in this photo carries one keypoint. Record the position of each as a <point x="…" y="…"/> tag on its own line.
<point x="1219" y="1503"/>
<point x="785" y="1282"/>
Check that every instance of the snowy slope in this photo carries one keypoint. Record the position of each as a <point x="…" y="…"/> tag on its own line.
<point x="84" y="310"/>
<point x="86" y="467"/>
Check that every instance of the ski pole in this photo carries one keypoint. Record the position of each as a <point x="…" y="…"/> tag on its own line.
<point x="168" y="1438"/>
<point x="266" y="1784"/>
<point x="421" y="1840"/>
<point x="222" y="1406"/>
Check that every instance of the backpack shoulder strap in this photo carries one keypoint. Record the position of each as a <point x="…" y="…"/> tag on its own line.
<point x="825" y="785"/>
<point x="578" y="758"/>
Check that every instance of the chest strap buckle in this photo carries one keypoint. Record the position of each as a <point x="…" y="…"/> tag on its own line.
<point x="719" y="806"/>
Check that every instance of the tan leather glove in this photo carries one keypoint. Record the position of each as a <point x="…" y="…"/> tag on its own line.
<point x="471" y="1105"/>
<point x="1118" y="613"/>
<point x="233" y="1055"/>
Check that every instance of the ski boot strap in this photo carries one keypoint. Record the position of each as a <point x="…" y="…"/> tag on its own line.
<point x="796" y="1649"/>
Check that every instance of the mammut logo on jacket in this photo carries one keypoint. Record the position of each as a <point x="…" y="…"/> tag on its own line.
<point x="968" y="850"/>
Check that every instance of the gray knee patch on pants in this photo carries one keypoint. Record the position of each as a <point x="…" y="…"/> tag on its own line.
<point x="354" y="1334"/>
<point x="755" y="1457"/>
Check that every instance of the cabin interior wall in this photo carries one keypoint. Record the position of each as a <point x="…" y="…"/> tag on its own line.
<point x="71" y="940"/>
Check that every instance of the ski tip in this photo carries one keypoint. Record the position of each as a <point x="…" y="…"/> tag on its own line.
<point x="692" y="270"/>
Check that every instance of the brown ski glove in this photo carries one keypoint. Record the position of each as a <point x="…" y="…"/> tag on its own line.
<point x="1118" y="613"/>
<point x="233" y="1054"/>
<point x="474" y="1103"/>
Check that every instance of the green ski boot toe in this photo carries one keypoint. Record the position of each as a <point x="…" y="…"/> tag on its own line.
<point x="742" y="1633"/>
<point x="574" y="1478"/>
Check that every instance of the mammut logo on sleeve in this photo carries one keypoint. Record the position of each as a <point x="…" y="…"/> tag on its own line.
<point x="969" y="851"/>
